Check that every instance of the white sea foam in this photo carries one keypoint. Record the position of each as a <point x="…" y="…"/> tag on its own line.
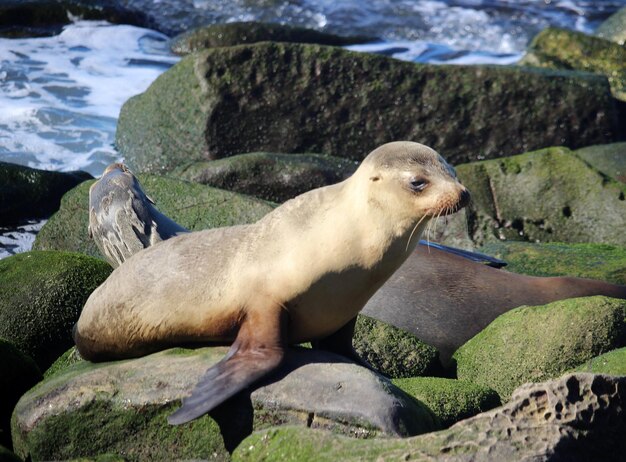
<point x="60" y="96"/>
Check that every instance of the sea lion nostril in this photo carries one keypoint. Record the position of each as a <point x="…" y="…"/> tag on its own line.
<point x="465" y="198"/>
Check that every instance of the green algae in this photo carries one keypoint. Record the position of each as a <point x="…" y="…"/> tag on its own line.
<point x="41" y="297"/>
<point x="595" y="261"/>
<point x="450" y="400"/>
<point x="535" y="343"/>
<point x="393" y="351"/>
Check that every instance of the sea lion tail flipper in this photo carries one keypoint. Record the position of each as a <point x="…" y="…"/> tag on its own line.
<point x="254" y="354"/>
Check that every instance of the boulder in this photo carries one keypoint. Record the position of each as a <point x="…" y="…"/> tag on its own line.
<point x="610" y="363"/>
<point x="37" y="18"/>
<point x="18" y="373"/>
<point x="614" y="28"/>
<point x="451" y="400"/>
<point x="27" y="193"/>
<point x="543" y="196"/>
<point x="609" y="159"/>
<point x="238" y="33"/>
<point x="194" y="206"/>
<point x="565" y="49"/>
<point x="270" y="176"/>
<point x="282" y="97"/>
<point x="594" y="261"/>
<point x="576" y="418"/>
<point x="121" y="407"/>
<point x="534" y="343"/>
<point x="393" y="351"/>
<point x="41" y="297"/>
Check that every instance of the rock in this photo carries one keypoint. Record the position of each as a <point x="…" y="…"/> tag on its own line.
<point x="194" y="206"/>
<point x="71" y="356"/>
<point x="238" y="33"/>
<point x="393" y="351"/>
<point x="41" y="296"/>
<point x="594" y="261"/>
<point x="281" y="97"/>
<point x="576" y="418"/>
<point x="611" y="363"/>
<point x="38" y="18"/>
<point x="534" y="343"/>
<point x="27" y="193"/>
<point x="614" y="28"/>
<point x="18" y="373"/>
<point x="123" y="405"/>
<point x="565" y="49"/>
<point x="576" y="203"/>
<point x="609" y="159"/>
<point x="269" y="176"/>
<point x="450" y="400"/>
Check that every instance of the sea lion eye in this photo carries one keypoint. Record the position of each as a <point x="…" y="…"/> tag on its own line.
<point x="418" y="184"/>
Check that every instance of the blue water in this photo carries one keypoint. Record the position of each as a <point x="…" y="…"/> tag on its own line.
<point x="60" y="96"/>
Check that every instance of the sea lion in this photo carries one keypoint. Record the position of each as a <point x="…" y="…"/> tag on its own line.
<point x="122" y="218"/>
<point x="301" y="273"/>
<point x="445" y="299"/>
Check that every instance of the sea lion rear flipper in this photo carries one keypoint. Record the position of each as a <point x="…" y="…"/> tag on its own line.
<point x="258" y="350"/>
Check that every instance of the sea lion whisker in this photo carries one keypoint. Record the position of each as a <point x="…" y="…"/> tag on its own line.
<point x="413" y="231"/>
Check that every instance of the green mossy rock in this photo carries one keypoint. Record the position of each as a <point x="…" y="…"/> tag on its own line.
<point x="18" y="373"/>
<point x="41" y="297"/>
<point x="535" y="343"/>
<point x="393" y="351"/>
<point x="36" y="18"/>
<point x="194" y="206"/>
<point x="609" y="159"/>
<point x="543" y="196"/>
<point x="269" y="176"/>
<point x="565" y="49"/>
<point x="281" y="97"/>
<point x="450" y="400"/>
<point x="593" y="261"/>
<point x="28" y="193"/>
<point x="614" y="28"/>
<point x="121" y="407"/>
<point x="612" y="363"/>
<point x="70" y="357"/>
<point x="577" y="418"/>
<point x="238" y="33"/>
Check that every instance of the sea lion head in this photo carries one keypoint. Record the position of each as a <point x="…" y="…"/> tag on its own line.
<point x="412" y="179"/>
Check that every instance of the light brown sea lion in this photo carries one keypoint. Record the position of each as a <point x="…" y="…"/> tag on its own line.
<point x="301" y="273"/>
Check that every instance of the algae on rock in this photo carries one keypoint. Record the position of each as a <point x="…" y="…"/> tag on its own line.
<point x="270" y="176"/>
<point x="543" y="196"/>
<point x="393" y="351"/>
<point x="291" y="98"/>
<point x="577" y="418"/>
<point x="41" y="297"/>
<point x="534" y="343"/>
<point x="194" y="206"/>
<point x="451" y="400"/>
<point x="565" y="49"/>
<point x="595" y="261"/>
<point x="611" y="363"/>
<point x="120" y="407"/>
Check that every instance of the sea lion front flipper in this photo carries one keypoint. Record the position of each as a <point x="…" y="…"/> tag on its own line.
<point x="258" y="349"/>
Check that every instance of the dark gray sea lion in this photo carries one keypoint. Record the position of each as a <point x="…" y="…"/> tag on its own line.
<point x="445" y="299"/>
<point x="301" y="273"/>
<point x="122" y="218"/>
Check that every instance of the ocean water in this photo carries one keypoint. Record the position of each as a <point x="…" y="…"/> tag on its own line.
<point x="60" y="96"/>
